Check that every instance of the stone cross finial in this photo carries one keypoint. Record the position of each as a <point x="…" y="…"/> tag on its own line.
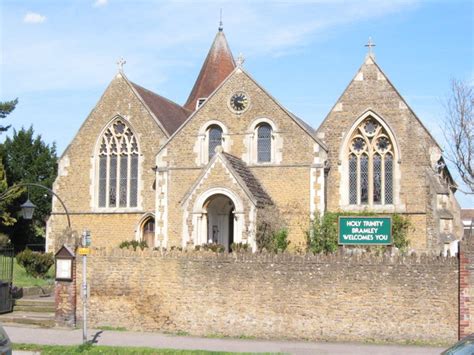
<point x="240" y="60"/>
<point x="370" y="44"/>
<point x="120" y="64"/>
<point x="221" y="26"/>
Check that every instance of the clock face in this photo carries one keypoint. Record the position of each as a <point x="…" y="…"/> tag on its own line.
<point x="239" y="101"/>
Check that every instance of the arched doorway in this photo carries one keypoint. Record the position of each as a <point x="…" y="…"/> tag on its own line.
<point x="220" y="220"/>
<point x="148" y="232"/>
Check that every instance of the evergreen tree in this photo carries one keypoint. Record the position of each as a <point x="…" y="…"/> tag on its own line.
<point x="27" y="159"/>
<point x="6" y="218"/>
<point x="5" y="109"/>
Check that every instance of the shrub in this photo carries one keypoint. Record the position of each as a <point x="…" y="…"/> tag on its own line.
<point x="134" y="244"/>
<point x="239" y="247"/>
<point x="280" y="240"/>
<point x="214" y="247"/>
<point x="322" y="234"/>
<point x="272" y="234"/>
<point x="36" y="264"/>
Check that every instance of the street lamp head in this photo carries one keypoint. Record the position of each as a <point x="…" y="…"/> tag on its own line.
<point x="27" y="209"/>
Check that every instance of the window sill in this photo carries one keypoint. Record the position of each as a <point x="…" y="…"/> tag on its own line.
<point x="117" y="209"/>
<point x="374" y="208"/>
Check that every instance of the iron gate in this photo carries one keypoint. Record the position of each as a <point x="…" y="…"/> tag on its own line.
<point x="6" y="279"/>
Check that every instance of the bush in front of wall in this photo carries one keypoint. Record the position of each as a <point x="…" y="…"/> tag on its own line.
<point x="36" y="264"/>
<point x="133" y="244"/>
<point x="321" y="236"/>
<point x="239" y="247"/>
<point x="214" y="247"/>
<point x="272" y="231"/>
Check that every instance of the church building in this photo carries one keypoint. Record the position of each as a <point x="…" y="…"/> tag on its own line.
<point x="142" y="167"/>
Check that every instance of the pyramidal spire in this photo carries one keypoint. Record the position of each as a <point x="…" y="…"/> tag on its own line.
<point x="218" y="65"/>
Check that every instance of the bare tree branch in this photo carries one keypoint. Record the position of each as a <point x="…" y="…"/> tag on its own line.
<point x="459" y="130"/>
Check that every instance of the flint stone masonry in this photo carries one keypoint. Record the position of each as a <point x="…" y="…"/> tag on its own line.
<point x="332" y="298"/>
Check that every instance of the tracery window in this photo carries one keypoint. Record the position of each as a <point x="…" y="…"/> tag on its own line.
<point x="215" y="139"/>
<point x="370" y="165"/>
<point x="264" y="143"/>
<point x="118" y="167"/>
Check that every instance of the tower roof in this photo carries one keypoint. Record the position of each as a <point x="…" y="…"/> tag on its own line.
<point x="218" y="65"/>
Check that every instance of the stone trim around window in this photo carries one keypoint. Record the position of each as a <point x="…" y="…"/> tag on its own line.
<point x="370" y="167"/>
<point x="201" y="146"/>
<point x="251" y="142"/>
<point x="117" y="168"/>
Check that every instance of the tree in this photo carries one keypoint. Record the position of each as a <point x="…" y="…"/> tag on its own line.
<point x="5" y="109"/>
<point x="459" y="130"/>
<point x="28" y="159"/>
<point x="5" y="217"/>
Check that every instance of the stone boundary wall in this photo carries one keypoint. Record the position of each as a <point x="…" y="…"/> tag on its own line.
<point x="330" y="298"/>
<point x="466" y="287"/>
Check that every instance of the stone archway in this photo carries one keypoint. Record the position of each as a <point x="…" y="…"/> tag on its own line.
<point x="218" y="215"/>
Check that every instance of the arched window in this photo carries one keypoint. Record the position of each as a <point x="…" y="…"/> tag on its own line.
<point x="215" y="139"/>
<point x="264" y="143"/>
<point x="370" y="165"/>
<point x="118" y="167"/>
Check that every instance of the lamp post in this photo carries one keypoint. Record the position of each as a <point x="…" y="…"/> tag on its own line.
<point x="28" y="208"/>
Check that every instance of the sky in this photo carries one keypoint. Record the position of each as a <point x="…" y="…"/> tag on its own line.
<point x="58" y="57"/>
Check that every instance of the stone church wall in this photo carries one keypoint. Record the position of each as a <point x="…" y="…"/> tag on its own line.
<point x="76" y="182"/>
<point x="331" y="298"/>
<point x="287" y="181"/>
<point x="371" y="90"/>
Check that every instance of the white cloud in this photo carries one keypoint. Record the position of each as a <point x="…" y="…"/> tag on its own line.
<point x="99" y="3"/>
<point x="33" y="17"/>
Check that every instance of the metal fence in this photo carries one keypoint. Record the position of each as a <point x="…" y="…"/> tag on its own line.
<point x="6" y="279"/>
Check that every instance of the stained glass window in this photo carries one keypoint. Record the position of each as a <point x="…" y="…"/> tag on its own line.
<point x="264" y="143"/>
<point x="123" y="180"/>
<point x="358" y="144"/>
<point x="102" y="180"/>
<point x="134" y="181"/>
<point x="377" y="179"/>
<point x="113" y="181"/>
<point x="215" y="139"/>
<point x="388" y="179"/>
<point x="370" y="165"/>
<point x="118" y="167"/>
<point x="352" y="179"/>
<point x="364" y="179"/>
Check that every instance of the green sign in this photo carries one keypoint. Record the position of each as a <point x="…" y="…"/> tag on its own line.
<point x="365" y="230"/>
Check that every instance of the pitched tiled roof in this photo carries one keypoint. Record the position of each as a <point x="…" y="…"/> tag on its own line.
<point x="218" y="65"/>
<point x="170" y="114"/>
<point x="249" y="180"/>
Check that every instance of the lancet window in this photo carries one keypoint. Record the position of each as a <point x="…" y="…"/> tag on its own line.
<point x="264" y="143"/>
<point x="118" y="167"/>
<point x="215" y="139"/>
<point x="370" y="165"/>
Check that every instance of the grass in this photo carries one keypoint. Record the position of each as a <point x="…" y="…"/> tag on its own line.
<point x="22" y="279"/>
<point x="115" y="329"/>
<point x="98" y="349"/>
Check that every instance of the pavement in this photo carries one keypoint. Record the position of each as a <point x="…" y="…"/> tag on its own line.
<point x="55" y="336"/>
